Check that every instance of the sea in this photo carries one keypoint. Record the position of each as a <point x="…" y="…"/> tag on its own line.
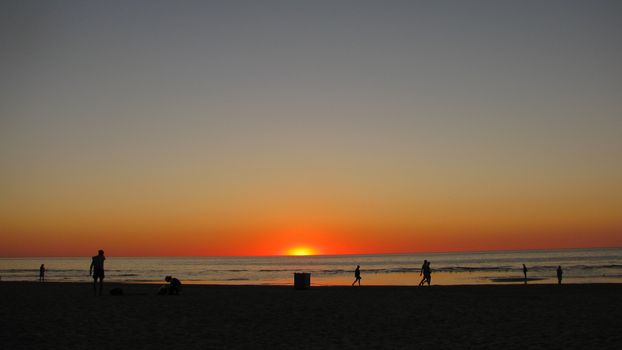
<point x="603" y="265"/>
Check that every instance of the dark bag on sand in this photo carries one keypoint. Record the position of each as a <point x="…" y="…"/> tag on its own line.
<point x="116" y="291"/>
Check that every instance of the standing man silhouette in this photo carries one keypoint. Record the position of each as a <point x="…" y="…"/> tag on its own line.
<point x="97" y="271"/>
<point x="357" y="276"/>
<point x="42" y="273"/>
<point x="525" y="272"/>
<point x="427" y="273"/>
<point x="559" y="274"/>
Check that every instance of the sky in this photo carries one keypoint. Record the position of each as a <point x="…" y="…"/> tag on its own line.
<point x="341" y="127"/>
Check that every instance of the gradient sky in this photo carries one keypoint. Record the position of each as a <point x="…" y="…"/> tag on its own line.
<point x="254" y="127"/>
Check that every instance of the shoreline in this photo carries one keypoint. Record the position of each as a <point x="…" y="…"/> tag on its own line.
<point x="291" y="285"/>
<point x="584" y="266"/>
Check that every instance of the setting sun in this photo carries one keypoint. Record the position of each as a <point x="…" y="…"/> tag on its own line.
<point x="301" y="251"/>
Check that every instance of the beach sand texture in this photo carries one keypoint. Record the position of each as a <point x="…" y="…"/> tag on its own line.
<point x="68" y="316"/>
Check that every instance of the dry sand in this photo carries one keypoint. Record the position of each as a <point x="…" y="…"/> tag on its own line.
<point x="68" y="316"/>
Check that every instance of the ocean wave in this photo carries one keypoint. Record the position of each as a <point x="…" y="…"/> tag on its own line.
<point x="449" y="269"/>
<point x="329" y="271"/>
<point x="276" y="270"/>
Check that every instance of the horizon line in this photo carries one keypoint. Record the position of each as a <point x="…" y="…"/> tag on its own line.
<point x="313" y="255"/>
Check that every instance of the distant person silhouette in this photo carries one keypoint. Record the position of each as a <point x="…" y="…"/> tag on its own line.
<point x="559" y="274"/>
<point x="357" y="275"/>
<point x="425" y="272"/>
<point x="42" y="273"/>
<point x="174" y="286"/>
<point x="97" y="271"/>
<point x="525" y="272"/>
<point x="428" y="274"/>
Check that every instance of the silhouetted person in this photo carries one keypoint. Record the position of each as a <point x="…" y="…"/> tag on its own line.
<point x="525" y="272"/>
<point x="174" y="286"/>
<point x="559" y="274"/>
<point x="97" y="271"/>
<point x="423" y="272"/>
<point x="427" y="273"/>
<point x="357" y="275"/>
<point x="42" y="273"/>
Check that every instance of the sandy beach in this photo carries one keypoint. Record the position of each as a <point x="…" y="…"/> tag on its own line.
<point x="68" y="316"/>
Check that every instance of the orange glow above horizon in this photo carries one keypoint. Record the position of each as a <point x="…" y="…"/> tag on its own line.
<point x="301" y="251"/>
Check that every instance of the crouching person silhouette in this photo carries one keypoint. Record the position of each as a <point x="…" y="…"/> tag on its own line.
<point x="173" y="287"/>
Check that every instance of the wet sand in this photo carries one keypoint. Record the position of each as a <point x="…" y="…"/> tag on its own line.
<point x="68" y="316"/>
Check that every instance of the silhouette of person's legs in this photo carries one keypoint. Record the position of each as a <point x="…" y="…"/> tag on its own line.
<point x="101" y="285"/>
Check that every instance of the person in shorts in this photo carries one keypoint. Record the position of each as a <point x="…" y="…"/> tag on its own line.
<point x="97" y="271"/>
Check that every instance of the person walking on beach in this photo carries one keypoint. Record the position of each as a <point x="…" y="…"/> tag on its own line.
<point x="428" y="274"/>
<point x="97" y="271"/>
<point x="357" y="276"/>
<point x="559" y="274"/>
<point x="525" y="272"/>
<point x="423" y="272"/>
<point x="42" y="273"/>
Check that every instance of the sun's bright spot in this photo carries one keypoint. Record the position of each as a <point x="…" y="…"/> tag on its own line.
<point x="301" y="251"/>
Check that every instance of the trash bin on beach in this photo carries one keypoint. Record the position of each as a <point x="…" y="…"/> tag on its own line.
<point x="302" y="280"/>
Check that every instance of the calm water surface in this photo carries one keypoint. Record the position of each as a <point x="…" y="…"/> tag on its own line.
<point x="580" y="266"/>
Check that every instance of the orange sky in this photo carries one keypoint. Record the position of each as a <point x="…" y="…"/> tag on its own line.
<point x="248" y="209"/>
<point x="210" y="128"/>
<point x="368" y="229"/>
<point x="197" y="244"/>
